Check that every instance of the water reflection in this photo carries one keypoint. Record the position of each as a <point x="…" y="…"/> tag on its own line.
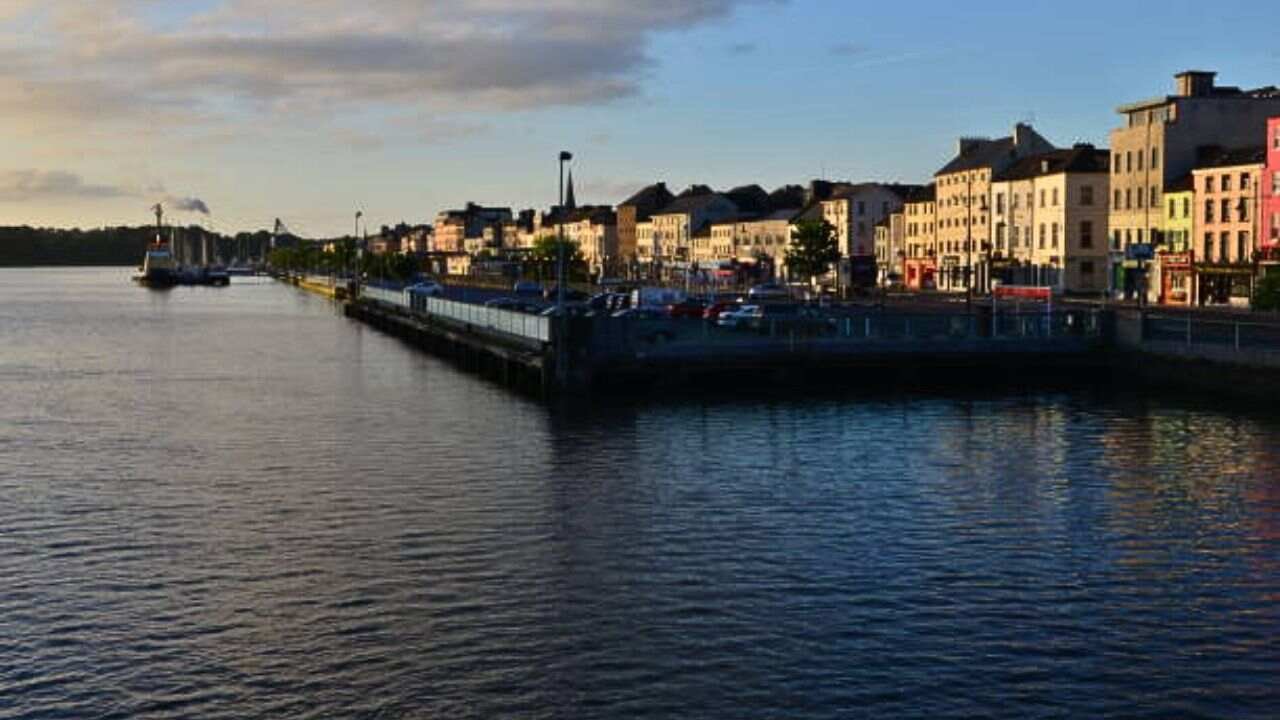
<point x="238" y="503"/>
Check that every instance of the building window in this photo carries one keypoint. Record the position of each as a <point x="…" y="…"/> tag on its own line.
<point x="1086" y="235"/>
<point x="1172" y="209"/>
<point x="1224" y="239"/>
<point x="1042" y="235"/>
<point x="1208" y="211"/>
<point x="1140" y="156"/>
<point x="1242" y="246"/>
<point x="1141" y="195"/>
<point x="1155" y="158"/>
<point x="999" y="203"/>
<point x="1243" y="210"/>
<point x="1116" y="201"/>
<point x="1208" y="183"/>
<point x="1208" y="247"/>
<point x="1128" y="198"/>
<point x="1226" y="210"/>
<point x="1186" y="207"/>
<point x="1055" y="197"/>
<point x="1140" y="236"/>
<point x="1226" y="183"/>
<point x="862" y="208"/>
<point x="1244" y="181"/>
<point x="1115" y="161"/>
<point x="1155" y="196"/>
<point x="1128" y="162"/>
<point x="1086" y="195"/>
<point x="1055" y="236"/>
<point x="1086" y="267"/>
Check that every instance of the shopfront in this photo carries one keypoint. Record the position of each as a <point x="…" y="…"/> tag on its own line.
<point x="1175" y="270"/>
<point x="1224" y="284"/>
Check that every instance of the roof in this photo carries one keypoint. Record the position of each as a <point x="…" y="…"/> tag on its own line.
<point x="648" y="199"/>
<point x="1183" y="184"/>
<point x="1215" y="157"/>
<point x="686" y="203"/>
<point x="923" y="193"/>
<point x="981" y="154"/>
<point x="1079" y="159"/>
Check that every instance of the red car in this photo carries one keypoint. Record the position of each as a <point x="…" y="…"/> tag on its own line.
<point x="686" y="309"/>
<point x="712" y="312"/>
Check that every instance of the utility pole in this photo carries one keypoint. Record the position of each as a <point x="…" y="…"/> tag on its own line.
<point x="565" y="156"/>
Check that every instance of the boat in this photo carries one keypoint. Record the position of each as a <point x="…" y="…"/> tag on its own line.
<point x="159" y="268"/>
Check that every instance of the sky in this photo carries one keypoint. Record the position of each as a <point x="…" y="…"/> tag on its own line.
<point x="309" y="110"/>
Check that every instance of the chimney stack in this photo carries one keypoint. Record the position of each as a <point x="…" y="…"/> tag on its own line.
<point x="1194" y="83"/>
<point x="1022" y="135"/>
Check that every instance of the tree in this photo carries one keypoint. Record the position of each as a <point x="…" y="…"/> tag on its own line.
<point x="545" y="255"/>
<point x="813" y="249"/>
<point x="1266" y="296"/>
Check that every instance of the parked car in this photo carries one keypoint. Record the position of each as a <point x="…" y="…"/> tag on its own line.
<point x="656" y="297"/>
<point x="641" y="313"/>
<point x="768" y="291"/>
<point x="573" y="310"/>
<point x="715" y="309"/>
<point x="514" y="305"/>
<point x="429" y="288"/>
<point x="600" y="301"/>
<point x="744" y="316"/>
<point x="619" y="301"/>
<point x="570" y="295"/>
<point x="526" y="287"/>
<point x="686" y="309"/>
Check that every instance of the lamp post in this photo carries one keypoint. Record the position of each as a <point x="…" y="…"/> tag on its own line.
<point x="565" y="156"/>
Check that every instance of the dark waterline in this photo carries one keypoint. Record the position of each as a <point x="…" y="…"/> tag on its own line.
<point x="236" y="503"/>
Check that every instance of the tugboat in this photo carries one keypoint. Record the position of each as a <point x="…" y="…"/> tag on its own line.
<point x="159" y="270"/>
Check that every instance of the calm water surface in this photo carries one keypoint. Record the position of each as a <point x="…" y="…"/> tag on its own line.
<point x="236" y="503"/>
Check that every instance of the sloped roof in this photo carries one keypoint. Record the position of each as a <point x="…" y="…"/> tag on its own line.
<point x="1079" y="159"/>
<point x="1212" y="157"/>
<point x="983" y="154"/>
<point x="689" y="203"/>
<point x="648" y="199"/>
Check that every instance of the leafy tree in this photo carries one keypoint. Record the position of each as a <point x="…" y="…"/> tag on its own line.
<point x="813" y="249"/>
<point x="545" y="254"/>
<point x="1266" y="296"/>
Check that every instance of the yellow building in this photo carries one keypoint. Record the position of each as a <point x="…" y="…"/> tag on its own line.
<point x="1171" y="283"/>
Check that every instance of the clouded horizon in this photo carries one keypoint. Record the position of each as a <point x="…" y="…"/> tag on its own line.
<point x="236" y="112"/>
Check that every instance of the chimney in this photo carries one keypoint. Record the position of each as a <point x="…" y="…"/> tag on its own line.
<point x="1022" y="133"/>
<point x="1194" y="83"/>
<point x="967" y="145"/>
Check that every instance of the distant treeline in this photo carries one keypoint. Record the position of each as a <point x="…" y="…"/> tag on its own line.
<point x="28" y="246"/>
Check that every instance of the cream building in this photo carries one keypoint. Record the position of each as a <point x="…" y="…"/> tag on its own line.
<point x="963" y="204"/>
<point x="854" y="210"/>
<point x="1049" y="221"/>
<point x="921" y="240"/>
<point x="676" y="226"/>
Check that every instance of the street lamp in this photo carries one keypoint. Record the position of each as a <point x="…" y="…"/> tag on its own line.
<point x="565" y="156"/>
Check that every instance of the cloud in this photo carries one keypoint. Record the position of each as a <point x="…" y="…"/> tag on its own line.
<point x="231" y="60"/>
<point x="27" y="185"/>
<point x="189" y="204"/>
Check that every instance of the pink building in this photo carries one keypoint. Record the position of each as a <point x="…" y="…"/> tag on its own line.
<point x="1269" y="217"/>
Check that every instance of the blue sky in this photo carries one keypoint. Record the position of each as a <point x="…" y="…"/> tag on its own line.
<point x="309" y="109"/>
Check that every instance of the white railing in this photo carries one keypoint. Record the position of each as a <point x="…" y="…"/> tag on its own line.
<point x="523" y="325"/>
<point x="531" y="327"/>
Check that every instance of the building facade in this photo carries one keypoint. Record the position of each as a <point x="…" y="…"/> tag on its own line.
<point x="920" y="265"/>
<point x="1171" y="278"/>
<point x="1227" y="201"/>
<point x="1159" y="143"/>
<point x="963" y="205"/>
<point x="1049" y="221"/>
<point x="1269" y="220"/>
<point x="635" y="210"/>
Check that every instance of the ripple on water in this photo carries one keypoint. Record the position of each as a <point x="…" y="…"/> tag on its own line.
<point x="308" y="519"/>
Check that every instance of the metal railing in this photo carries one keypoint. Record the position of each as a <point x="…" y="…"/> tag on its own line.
<point x="522" y="325"/>
<point x="1194" y="331"/>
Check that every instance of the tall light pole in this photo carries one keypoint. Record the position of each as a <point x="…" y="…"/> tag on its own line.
<point x="565" y="156"/>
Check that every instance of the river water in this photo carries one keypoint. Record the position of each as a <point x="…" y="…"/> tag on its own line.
<point x="236" y="503"/>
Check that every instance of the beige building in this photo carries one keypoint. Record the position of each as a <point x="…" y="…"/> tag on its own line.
<point x="676" y="226"/>
<point x="1159" y="143"/>
<point x="646" y="253"/>
<point x="595" y="231"/>
<point x="1227" y="197"/>
<point x="633" y="211"/>
<point x="1049" y="221"/>
<point x="920" y="265"/>
<point x="963" y="204"/>
<point x="854" y="210"/>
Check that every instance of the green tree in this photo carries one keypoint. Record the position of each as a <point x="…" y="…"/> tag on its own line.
<point x="545" y="254"/>
<point x="813" y="249"/>
<point x="1266" y="296"/>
